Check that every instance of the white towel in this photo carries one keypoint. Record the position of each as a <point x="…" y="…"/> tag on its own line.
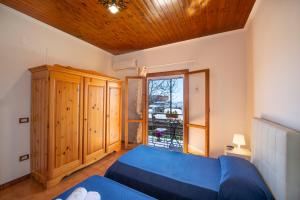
<point x="93" y="196"/>
<point x="78" y="194"/>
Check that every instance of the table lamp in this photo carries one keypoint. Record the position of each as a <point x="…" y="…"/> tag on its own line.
<point x="239" y="140"/>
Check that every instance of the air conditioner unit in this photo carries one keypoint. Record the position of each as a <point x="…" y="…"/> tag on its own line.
<point x="124" y="64"/>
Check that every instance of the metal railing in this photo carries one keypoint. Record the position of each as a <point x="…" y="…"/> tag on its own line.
<point x="167" y="133"/>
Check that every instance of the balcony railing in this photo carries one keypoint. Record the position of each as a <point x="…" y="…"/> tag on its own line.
<point x="165" y="130"/>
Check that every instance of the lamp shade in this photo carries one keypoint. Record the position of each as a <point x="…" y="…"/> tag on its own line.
<point x="238" y="139"/>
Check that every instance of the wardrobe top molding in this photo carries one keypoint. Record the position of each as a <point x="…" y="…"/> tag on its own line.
<point x="75" y="71"/>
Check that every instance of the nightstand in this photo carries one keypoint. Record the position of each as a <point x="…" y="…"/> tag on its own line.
<point x="238" y="152"/>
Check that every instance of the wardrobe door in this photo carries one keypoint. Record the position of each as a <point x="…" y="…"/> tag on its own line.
<point x="94" y="119"/>
<point x="65" y="130"/>
<point x="113" y="123"/>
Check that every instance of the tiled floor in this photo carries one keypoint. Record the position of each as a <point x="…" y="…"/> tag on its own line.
<point x="31" y="190"/>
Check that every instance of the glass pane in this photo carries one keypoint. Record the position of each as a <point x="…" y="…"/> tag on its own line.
<point x="165" y="113"/>
<point x="197" y="113"/>
<point x="197" y="140"/>
<point x="135" y="133"/>
<point x="135" y="107"/>
<point x="197" y="99"/>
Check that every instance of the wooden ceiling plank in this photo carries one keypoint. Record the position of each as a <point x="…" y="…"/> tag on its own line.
<point x="153" y="25"/>
<point x="177" y="17"/>
<point x="147" y="27"/>
<point x="185" y="21"/>
<point x="245" y="14"/>
<point x="183" y="4"/>
<point x="144" y="24"/>
<point x="222" y="12"/>
<point x="149" y="24"/>
<point x="234" y="13"/>
<point x="194" y="24"/>
<point x="159" y="15"/>
<point x="171" y="26"/>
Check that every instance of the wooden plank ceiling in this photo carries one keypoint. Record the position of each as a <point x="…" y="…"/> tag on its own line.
<point x="144" y="24"/>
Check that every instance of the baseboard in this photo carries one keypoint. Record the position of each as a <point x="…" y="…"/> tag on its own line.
<point x="15" y="181"/>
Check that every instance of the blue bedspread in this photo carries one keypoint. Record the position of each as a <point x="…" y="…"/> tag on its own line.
<point x="167" y="175"/>
<point x="108" y="189"/>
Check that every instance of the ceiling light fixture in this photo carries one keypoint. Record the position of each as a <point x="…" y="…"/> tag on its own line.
<point x="114" y="6"/>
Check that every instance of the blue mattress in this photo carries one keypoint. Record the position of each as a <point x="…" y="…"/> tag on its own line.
<point x="108" y="189"/>
<point x="167" y="175"/>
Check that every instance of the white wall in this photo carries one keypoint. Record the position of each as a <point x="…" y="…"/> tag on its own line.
<point x="225" y="56"/>
<point x="273" y="43"/>
<point x="25" y="43"/>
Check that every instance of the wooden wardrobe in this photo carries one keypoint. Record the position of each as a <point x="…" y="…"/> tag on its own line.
<point x="75" y="120"/>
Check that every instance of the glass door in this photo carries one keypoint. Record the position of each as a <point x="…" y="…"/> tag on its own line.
<point x="196" y="116"/>
<point x="165" y="112"/>
<point x="135" y="115"/>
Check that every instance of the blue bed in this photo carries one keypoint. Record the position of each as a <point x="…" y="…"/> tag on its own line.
<point x="108" y="189"/>
<point x="169" y="175"/>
